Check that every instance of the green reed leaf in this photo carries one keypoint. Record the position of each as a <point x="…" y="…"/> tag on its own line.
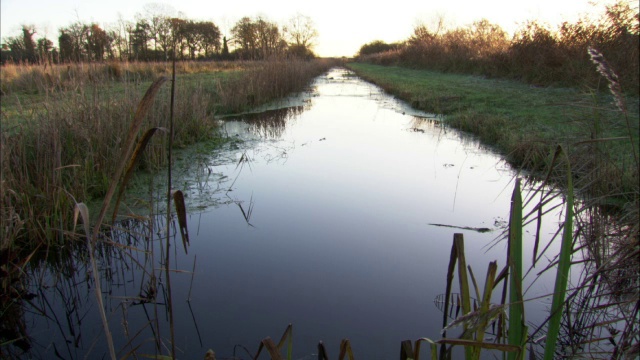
<point x="564" y="264"/>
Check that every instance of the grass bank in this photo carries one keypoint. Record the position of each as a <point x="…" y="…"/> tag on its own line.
<point x="526" y="123"/>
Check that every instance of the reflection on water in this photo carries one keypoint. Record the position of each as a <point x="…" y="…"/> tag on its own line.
<point x="271" y="123"/>
<point x="320" y="217"/>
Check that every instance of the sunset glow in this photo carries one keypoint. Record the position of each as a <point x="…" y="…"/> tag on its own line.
<point x="343" y="26"/>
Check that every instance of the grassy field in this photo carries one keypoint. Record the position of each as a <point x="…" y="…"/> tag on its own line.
<point x="526" y="123"/>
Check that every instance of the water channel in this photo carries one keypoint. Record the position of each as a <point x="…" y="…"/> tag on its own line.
<point x="326" y="214"/>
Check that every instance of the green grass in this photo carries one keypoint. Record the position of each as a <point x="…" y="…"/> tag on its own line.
<point x="525" y="123"/>
<point x="553" y="113"/>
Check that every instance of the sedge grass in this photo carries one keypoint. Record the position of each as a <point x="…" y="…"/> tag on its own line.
<point x="77" y="144"/>
<point x="564" y="264"/>
<point x="517" y="328"/>
<point x="68" y="141"/>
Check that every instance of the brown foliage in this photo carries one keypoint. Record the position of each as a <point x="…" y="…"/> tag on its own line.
<point x="535" y="54"/>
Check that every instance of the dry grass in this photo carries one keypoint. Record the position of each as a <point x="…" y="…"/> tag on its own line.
<point x="536" y="54"/>
<point x="64" y="145"/>
<point x="42" y="79"/>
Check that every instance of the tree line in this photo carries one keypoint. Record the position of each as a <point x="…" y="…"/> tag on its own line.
<point x="155" y="34"/>
<point x="535" y="54"/>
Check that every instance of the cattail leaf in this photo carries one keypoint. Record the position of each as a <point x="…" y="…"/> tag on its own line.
<point x="345" y="350"/>
<point x="127" y="147"/>
<point x="433" y="348"/>
<point x="322" y="352"/>
<point x="486" y="313"/>
<point x="475" y="284"/>
<point x="465" y="294"/>
<point x="82" y="210"/>
<point x="516" y="305"/>
<point x="564" y="264"/>
<point x="406" y="350"/>
<point x="181" y="211"/>
<point x="288" y="334"/>
<point x="271" y="348"/>
<point x="135" y="157"/>
<point x="452" y="266"/>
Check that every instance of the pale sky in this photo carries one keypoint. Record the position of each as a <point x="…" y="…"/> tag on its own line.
<point x="343" y="26"/>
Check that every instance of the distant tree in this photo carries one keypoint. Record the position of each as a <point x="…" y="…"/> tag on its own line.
<point x="15" y="45"/>
<point x="374" y="47"/>
<point x="118" y="35"/>
<point x="487" y="39"/>
<point x="29" y="43"/>
<point x="258" y="38"/>
<point x="301" y="34"/>
<point x="65" y="43"/>
<point x="44" y="50"/>
<point x="225" y="49"/>
<point x="158" y="17"/>
<point x="270" y="40"/>
<point x="300" y="52"/>
<point x="245" y="37"/>
<point x="73" y="42"/>
<point x="5" y="53"/>
<point x="179" y="30"/>
<point x="139" y="38"/>
<point x="97" y="43"/>
<point x="209" y="35"/>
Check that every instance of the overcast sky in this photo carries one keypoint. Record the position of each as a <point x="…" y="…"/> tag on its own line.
<point x="343" y="26"/>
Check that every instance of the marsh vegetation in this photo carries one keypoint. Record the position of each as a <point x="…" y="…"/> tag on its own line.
<point x="332" y="210"/>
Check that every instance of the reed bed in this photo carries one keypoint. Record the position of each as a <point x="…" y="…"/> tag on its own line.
<point x="594" y="170"/>
<point x="536" y="53"/>
<point x="74" y="146"/>
<point x="43" y="78"/>
<point x="63" y="145"/>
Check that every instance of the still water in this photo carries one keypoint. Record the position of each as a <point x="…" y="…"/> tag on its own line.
<point x="322" y="216"/>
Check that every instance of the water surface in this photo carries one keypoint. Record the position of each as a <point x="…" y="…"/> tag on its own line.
<point x="322" y="217"/>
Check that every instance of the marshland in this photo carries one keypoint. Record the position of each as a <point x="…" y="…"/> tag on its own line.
<point x="458" y="194"/>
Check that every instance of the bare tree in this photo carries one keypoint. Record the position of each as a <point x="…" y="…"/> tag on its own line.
<point x="300" y="30"/>
<point x="158" y="17"/>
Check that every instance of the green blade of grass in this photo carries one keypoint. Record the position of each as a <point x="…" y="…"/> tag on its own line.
<point x="452" y="266"/>
<point x="463" y="279"/>
<point x="469" y="343"/>
<point x="486" y="300"/>
<point x="516" y="305"/>
<point x="433" y="347"/>
<point x="288" y="334"/>
<point x="564" y="264"/>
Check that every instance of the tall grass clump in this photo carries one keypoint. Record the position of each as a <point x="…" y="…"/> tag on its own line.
<point x="65" y="144"/>
<point x="593" y="316"/>
<point x="267" y="81"/>
<point x="71" y="146"/>
<point x="28" y="78"/>
<point x="535" y="54"/>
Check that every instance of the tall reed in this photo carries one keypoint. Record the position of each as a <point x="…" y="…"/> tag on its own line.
<point x="65" y="144"/>
<point x="535" y="54"/>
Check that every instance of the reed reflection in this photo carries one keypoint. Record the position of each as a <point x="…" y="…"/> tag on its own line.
<point x="271" y="124"/>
